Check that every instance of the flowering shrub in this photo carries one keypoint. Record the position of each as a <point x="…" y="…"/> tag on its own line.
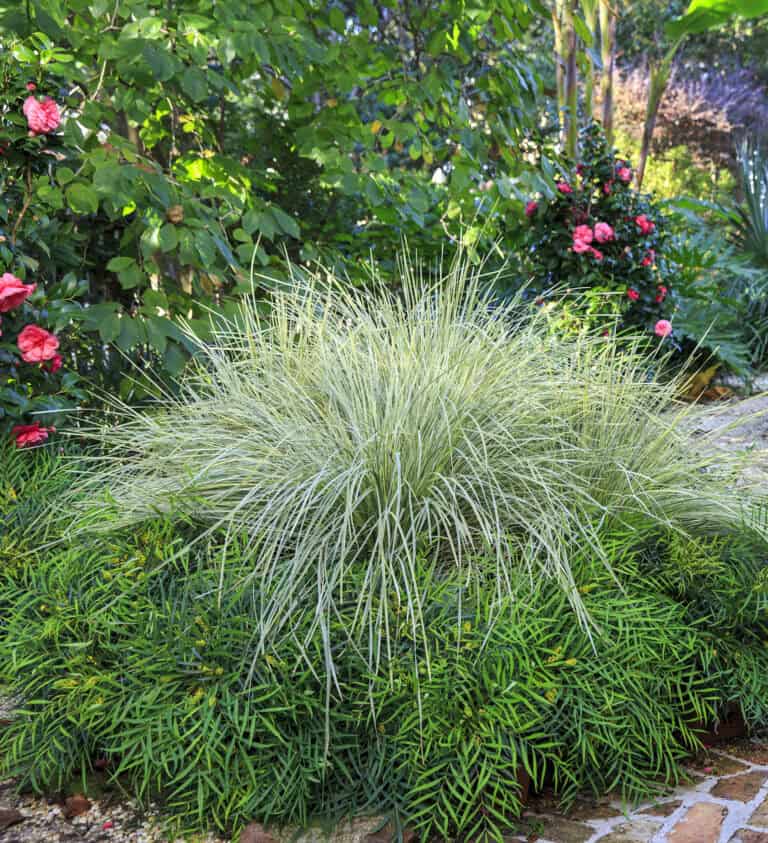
<point x="600" y="239"/>
<point x="33" y="376"/>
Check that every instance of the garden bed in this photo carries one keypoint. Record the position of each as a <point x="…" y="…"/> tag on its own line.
<point x="395" y="592"/>
<point x="726" y="789"/>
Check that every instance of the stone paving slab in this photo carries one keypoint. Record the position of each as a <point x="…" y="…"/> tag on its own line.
<point x="726" y="801"/>
<point x="745" y="835"/>
<point x="661" y="809"/>
<point x="701" y="823"/>
<point x="742" y="787"/>
<point x="637" y="830"/>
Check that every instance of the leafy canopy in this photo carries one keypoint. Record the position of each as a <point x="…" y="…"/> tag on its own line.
<point x="702" y="15"/>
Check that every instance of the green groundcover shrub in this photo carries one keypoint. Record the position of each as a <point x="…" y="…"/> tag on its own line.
<point x="119" y="654"/>
<point x="381" y="555"/>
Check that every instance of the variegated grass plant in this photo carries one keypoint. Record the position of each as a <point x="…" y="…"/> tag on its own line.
<point x="366" y="431"/>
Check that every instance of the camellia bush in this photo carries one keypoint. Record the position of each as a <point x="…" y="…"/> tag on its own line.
<point x="596" y="248"/>
<point x="38" y="383"/>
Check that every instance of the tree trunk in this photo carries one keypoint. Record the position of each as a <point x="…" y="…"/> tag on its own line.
<point x="557" y="26"/>
<point x="571" y="84"/>
<point x="608" y="56"/>
<point x="645" y="146"/>
<point x="590" y="18"/>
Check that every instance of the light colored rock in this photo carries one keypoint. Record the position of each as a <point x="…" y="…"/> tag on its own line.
<point x="701" y="824"/>
<point x="741" y="788"/>
<point x="636" y="831"/>
<point x="760" y="815"/>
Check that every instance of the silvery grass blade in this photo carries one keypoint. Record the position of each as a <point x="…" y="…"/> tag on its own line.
<point x="367" y="432"/>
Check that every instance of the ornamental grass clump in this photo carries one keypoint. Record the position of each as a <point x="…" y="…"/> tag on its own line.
<point x="351" y="432"/>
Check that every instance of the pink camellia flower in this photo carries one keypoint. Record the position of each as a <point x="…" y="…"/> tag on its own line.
<point x="644" y="224"/>
<point x="54" y="364"/>
<point x="582" y="237"/>
<point x="564" y="187"/>
<point x="649" y="258"/>
<point x="31" y="434"/>
<point x="596" y="254"/>
<point x="42" y="117"/>
<point x="624" y="174"/>
<point x="36" y="344"/>
<point x="608" y="187"/>
<point x="31" y="86"/>
<point x="579" y="246"/>
<point x="633" y="294"/>
<point x="603" y="232"/>
<point x="13" y="291"/>
<point x="662" y="294"/>
<point x="531" y="208"/>
<point x="663" y="328"/>
<point x="583" y="233"/>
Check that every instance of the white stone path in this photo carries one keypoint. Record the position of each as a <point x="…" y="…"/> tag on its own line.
<point x="726" y="802"/>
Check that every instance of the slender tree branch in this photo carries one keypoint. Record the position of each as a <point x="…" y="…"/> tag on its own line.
<point x="25" y="205"/>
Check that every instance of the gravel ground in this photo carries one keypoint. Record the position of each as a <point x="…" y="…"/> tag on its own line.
<point x="112" y="818"/>
<point x="735" y="425"/>
<point x="107" y="819"/>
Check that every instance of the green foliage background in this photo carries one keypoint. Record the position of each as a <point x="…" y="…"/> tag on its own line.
<point x="202" y="139"/>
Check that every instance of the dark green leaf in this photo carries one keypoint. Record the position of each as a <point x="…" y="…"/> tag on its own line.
<point x="82" y="198"/>
<point x="194" y="84"/>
